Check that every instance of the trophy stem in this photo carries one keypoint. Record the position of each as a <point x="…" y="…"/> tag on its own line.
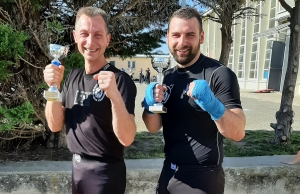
<point x="160" y="78"/>
<point x="55" y="62"/>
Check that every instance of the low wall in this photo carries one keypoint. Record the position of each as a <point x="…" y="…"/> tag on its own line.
<point x="255" y="175"/>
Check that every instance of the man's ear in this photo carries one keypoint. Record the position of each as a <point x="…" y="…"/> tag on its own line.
<point x="74" y="36"/>
<point x="201" y="36"/>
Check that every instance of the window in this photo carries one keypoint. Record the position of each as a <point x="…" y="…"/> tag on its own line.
<point x="242" y="49"/>
<point x="241" y="57"/>
<point x="253" y="56"/>
<point x="254" y="47"/>
<point x="256" y="28"/>
<point x="240" y="71"/>
<point x="243" y="41"/>
<point x="267" y="59"/>
<point x="131" y="64"/>
<point x="272" y="14"/>
<point x="112" y="63"/>
<point x="256" y="19"/>
<point x="253" y="65"/>
<point x="230" y="60"/>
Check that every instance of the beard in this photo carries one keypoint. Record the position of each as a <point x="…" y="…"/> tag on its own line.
<point x="187" y="58"/>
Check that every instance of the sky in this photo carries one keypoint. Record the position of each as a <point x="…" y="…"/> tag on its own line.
<point x="163" y="48"/>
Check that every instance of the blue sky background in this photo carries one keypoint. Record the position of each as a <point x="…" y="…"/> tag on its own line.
<point x="163" y="48"/>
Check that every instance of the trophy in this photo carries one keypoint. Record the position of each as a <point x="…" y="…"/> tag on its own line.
<point x="56" y="51"/>
<point x="160" y="65"/>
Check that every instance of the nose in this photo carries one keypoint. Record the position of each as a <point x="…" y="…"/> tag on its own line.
<point x="89" y="39"/>
<point x="181" y="40"/>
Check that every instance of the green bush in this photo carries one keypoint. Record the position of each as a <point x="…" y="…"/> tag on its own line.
<point x="11" y="46"/>
<point x="16" y="117"/>
<point x="74" y="60"/>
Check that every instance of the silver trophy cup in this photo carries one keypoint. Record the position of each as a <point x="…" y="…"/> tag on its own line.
<point x="57" y="52"/>
<point x="160" y="65"/>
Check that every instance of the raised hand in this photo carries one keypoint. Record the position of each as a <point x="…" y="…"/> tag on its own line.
<point x="199" y="90"/>
<point x="107" y="83"/>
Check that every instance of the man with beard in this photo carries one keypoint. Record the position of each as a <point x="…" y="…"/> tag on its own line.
<point x="97" y="109"/>
<point x="203" y="106"/>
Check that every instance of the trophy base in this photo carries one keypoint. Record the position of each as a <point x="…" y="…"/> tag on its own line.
<point x="53" y="96"/>
<point x="158" y="109"/>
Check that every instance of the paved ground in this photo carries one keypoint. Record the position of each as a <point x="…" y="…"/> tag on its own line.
<point x="259" y="108"/>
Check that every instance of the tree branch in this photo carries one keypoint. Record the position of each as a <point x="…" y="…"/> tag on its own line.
<point x="5" y="15"/>
<point x="39" y="43"/>
<point x="28" y="62"/>
<point x="129" y="7"/>
<point x="213" y="18"/>
<point x="20" y="6"/>
<point x="245" y="12"/>
<point x="286" y="6"/>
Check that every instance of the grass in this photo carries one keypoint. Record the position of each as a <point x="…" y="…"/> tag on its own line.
<point x="255" y="143"/>
<point x="146" y="146"/>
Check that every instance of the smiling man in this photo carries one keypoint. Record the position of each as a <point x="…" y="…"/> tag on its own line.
<point x="203" y="102"/>
<point x="97" y="108"/>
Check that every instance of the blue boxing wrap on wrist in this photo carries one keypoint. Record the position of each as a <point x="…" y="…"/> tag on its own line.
<point x="149" y="98"/>
<point x="207" y="100"/>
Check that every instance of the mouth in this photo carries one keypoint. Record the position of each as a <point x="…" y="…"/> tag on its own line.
<point x="182" y="51"/>
<point x="91" y="50"/>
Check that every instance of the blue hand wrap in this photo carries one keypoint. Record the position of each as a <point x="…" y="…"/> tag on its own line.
<point x="207" y="100"/>
<point x="149" y="98"/>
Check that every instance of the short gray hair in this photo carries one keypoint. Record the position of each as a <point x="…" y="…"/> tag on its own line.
<point x="187" y="13"/>
<point x="91" y="12"/>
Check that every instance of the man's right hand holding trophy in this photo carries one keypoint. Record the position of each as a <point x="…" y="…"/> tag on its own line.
<point x="149" y="103"/>
<point x="53" y="73"/>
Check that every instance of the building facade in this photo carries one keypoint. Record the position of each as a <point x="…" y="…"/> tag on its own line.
<point x="259" y="52"/>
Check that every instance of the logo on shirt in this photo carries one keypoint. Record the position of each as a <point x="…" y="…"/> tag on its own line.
<point x="167" y="93"/>
<point x="82" y="98"/>
<point x="98" y="94"/>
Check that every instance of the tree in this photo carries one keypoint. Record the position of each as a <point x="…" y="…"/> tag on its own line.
<point x="136" y="27"/>
<point x="225" y="13"/>
<point x="283" y="127"/>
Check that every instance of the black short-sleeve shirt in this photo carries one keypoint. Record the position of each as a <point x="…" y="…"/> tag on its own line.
<point x="88" y="115"/>
<point x="191" y="136"/>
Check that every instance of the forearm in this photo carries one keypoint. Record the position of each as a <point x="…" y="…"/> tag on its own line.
<point x="152" y="122"/>
<point x="54" y="112"/>
<point x="232" y="124"/>
<point x="123" y="123"/>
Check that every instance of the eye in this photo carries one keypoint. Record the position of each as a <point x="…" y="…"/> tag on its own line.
<point x="98" y="35"/>
<point x="84" y="34"/>
<point x="190" y="34"/>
